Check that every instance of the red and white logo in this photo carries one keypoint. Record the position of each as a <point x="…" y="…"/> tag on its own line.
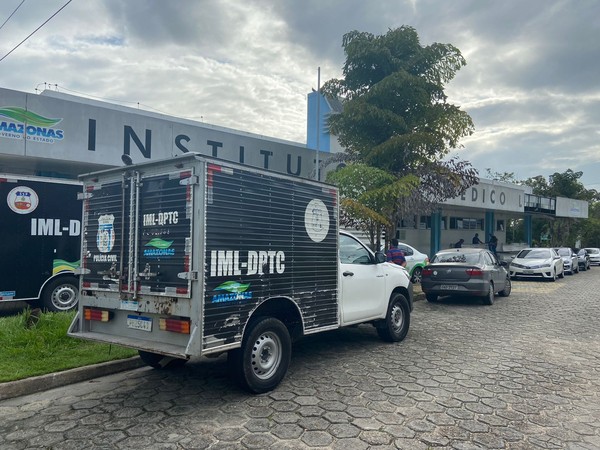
<point x="22" y="200"/>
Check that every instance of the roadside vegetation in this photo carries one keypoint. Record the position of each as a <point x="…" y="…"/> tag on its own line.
<point x="35" y="344"/>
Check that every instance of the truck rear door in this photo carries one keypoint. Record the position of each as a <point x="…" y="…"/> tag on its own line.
<point x="138" y="235"/>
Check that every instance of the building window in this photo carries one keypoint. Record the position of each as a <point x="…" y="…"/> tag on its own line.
<point x="465" y="223"/>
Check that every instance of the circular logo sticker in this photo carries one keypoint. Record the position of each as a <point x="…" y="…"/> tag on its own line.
<point x="22" y="200"/>
<point x="316" y="220"/>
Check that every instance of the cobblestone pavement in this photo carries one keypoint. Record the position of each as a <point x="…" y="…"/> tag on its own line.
<point x="521" y="374"/>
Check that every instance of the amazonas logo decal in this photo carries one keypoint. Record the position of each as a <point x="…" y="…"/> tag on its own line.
<point x="235" y="291"/>
<point x="24" y="124"/>
<point x="159" y="248"/>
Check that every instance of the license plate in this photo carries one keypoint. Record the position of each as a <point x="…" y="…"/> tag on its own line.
<point x="449" y="287"/>
<point x="139" y="323"/>
<point x="527" y="271"/>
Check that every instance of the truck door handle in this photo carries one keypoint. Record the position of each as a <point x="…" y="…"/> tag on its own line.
<point x="347" y="273"/>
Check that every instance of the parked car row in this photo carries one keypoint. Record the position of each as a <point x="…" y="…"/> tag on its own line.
<point x="479" y="273"/>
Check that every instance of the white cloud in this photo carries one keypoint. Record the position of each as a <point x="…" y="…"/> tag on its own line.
<point x="530" y="83"/>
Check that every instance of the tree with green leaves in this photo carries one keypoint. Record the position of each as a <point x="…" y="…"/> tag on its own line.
<point x="369" y="198"/>
<point x="562" y="230"/>
<point x="396" y="116"/>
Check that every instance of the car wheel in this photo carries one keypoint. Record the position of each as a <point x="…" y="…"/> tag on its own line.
<point x="584" y="268"/>
<point x="489" y="298"/>
<point x="394" y="327"/>
<point x="61" y="294"/>
<point x="507" y="288"/>
<point x="262" y="361"/>
<point x="553" y="276"/>
<point x="159" y="361"/>
<point x="562" y="274"/>
<point x="416" y="276"/>
<point x="431" y="297"/>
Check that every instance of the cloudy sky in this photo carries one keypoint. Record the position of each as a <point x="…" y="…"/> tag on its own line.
<point x="531" y="84"/>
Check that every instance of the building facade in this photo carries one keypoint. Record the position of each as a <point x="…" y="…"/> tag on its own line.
<point x="61" y="135"/>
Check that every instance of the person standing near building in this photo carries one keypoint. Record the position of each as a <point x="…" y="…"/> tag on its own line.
<point x="476" y="240"/>
<point x="493" y="243"/>
<point x="459" y="243"/>
<point x="395" y="255"/>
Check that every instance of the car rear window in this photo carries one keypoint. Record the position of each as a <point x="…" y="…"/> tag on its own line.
<point x="465" y="258"/>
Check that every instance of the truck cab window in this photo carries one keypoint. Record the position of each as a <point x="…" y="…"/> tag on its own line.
<point x="353" y="252"/>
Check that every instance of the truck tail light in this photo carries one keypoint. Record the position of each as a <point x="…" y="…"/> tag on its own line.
<point x="175" y="325"/>
<point x="101" y="315"/>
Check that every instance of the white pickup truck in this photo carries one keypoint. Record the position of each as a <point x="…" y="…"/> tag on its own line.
<point x="197" y="256"/>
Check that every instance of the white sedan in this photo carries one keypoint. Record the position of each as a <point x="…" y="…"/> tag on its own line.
<point x="542" y="263"/>
<point x="594" y="255"/>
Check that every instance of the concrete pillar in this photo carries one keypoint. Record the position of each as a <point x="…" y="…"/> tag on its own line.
<point x="436" y="233"/>
<point x="527" y="223"/>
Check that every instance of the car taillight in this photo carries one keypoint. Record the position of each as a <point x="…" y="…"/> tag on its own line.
<point x="426" y="272"/>
<point x="474" y="272"/>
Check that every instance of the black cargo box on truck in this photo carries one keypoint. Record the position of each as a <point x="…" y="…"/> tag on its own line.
<point x="40" y="225"/>
<point x="197" y="256"/>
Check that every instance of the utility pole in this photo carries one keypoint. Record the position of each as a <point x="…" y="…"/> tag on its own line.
<point x="318" y="119"/>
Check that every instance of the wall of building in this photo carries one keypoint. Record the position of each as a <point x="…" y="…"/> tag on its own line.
<point x="65" y="130"/>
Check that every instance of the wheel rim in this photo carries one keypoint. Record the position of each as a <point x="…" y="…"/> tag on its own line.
<point x="491" y="294"/>
<point x="416" y="278"/>
<point x="266" y="355"/>
<point x="64" y="296"/>
<point x="508" y="286"/>
<point x="397" y="318"/>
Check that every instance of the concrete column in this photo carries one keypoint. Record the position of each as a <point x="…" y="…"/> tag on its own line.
<point x="527" y="223"/>
<point x="489" y="225"/>
<point x="436" y="233"/>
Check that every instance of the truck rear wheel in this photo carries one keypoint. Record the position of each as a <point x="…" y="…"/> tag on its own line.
<point x="158" y="361"/>
<point x="395" y="326"/>
<point x="61" y="294"/>
<point x="262" y="361"/>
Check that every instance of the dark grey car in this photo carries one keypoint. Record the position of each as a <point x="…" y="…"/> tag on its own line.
<point x="465" y="271"/>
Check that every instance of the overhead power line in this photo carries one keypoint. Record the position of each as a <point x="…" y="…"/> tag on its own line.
<point x="11" y="14"/>
<point x="34" y="31"/>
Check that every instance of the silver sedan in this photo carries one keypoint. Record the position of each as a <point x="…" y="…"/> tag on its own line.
<point x="540" y="263"/>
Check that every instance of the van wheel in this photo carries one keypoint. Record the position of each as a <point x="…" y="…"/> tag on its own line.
<point x="264" y="357"/>
<point x="61" y="294"/>
<point x="416" y="276"/>
<point x="158" y="361"/>
<point x="394" y="327"/>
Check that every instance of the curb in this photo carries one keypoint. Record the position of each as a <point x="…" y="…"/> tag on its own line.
<point x="40" y="383"/>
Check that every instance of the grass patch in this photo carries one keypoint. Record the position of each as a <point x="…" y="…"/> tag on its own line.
<point x="29" y="348"/>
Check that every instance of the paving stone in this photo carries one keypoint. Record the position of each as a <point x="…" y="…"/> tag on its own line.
<point x="522" y="374"/>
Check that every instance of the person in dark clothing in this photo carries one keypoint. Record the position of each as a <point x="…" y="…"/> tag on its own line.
<point x="476" y="239"/>
<point x="395" y="255"/>
<point x="459" y="243"/>
<point x="493" y="243"/>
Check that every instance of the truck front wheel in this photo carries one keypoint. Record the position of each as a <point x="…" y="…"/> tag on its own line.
<point x="61" y="294"/>
<point x="395" y="326"/>
<point x="262" y="361"/>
